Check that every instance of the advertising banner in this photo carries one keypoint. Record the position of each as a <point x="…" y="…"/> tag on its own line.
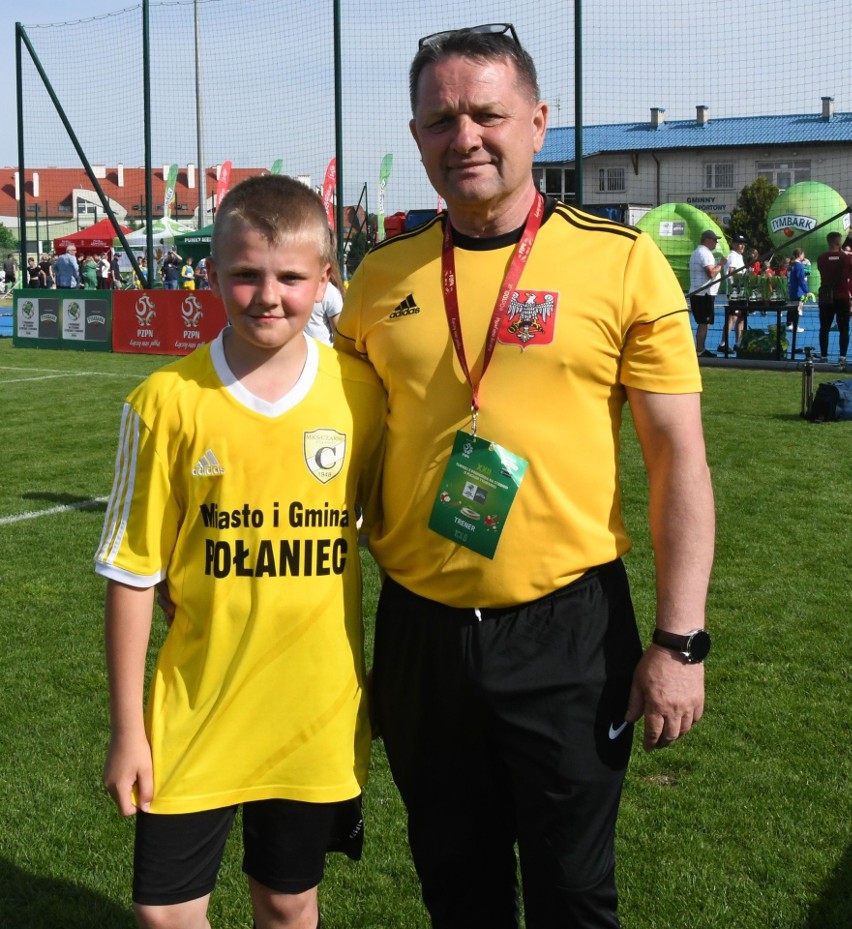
<point x="677" y="228"/>
<point x="803" y="215"/>
<point x="87" y="320"/>
<point x="328" y="191"/>
<point x="224" y="182"/>
<point x="169" y="194"/>
<point x="165" y="322"/>
<point x="384" y="176"/>
<point x="63" y="319"/>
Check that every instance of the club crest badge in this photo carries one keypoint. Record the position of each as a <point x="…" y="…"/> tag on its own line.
<point x="530" y="319"/>
<point x="325" y="452"/>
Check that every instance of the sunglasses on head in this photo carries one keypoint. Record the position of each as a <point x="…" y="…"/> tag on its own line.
<point x="485" y="29"/>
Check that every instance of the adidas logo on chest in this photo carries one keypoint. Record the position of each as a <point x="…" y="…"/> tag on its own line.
<point x="207" y="465"/>
<point x="408" y="307"/>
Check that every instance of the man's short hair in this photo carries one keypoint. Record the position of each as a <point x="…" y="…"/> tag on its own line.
<point x="280" y="208"/>
<point x="833" y="237"/>
<point x="466" y="43"/>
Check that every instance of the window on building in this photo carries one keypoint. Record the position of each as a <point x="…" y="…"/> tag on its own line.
<point x="611" y="179"/>
<point x="719" y="176"/>
<point x="784" y="174"/>
<point x="556" y="182"/>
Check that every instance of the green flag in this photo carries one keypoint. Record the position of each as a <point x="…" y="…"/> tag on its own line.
<point x="170" y="189"/>
<point x="276" y="166"/>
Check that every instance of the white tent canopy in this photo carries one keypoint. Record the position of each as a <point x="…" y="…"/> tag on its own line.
<point x="163" y="232"/>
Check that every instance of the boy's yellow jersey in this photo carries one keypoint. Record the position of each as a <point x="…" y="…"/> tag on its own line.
<point x="248" y="510"/>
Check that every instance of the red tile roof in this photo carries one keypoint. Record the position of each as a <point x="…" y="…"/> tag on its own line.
<point x="56" y="186"/>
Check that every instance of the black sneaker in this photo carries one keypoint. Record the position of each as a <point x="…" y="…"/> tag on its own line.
<point x="706" y="354"/>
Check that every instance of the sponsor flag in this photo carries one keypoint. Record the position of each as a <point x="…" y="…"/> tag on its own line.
<point x="328" y="190"/>
<point x="276" y="166"/>
<point x="169" y="195"/>
<point x="384" y="177"/>
<point x="224" y="181"/>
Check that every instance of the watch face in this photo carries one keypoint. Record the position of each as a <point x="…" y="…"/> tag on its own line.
<point x="699" y="646"/>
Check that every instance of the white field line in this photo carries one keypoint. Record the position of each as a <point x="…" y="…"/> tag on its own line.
<point x="34" y="514"/>
<point x="51" y="373"/>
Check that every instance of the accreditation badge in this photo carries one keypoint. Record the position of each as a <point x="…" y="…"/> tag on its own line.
<point x="477" y="491"/>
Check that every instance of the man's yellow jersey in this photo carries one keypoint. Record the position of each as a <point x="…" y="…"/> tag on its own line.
<point x="597" y="310"/>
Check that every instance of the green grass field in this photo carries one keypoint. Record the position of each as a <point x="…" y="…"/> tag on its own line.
<point x="743" y="825"/>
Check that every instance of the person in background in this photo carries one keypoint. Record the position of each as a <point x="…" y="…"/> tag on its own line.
<point x="733" y="272"/>
<point x="170" y="270"/>
<point x="35" y="276"/>
<point x="508" y="667"/>
<point x="10" y="271"/>
<point x="835" y="268"/>
<point x="143" y="267"/>
<point x="705" y="275"/>
<point x="323" y="322"/>
<point x="187" y="274"/>
<point x="115" y="272"/>
<point x="46" y="265"/>
<point x="201" y="275"/>
<point x="66" y="269"/>
<point x="89" y="273"/>
<point x="104" y="272"/>
<point x="754" y="261"/>
<point x="797" y="288"/>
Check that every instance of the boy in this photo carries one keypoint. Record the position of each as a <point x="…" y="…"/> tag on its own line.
<point x="187" y="275"/>
<point x="236" y="480"/>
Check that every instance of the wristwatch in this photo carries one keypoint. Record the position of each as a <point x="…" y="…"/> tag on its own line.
<point x="694" y="646"/>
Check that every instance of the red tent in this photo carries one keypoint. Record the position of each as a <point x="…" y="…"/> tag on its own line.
<point x="90" y="241"/>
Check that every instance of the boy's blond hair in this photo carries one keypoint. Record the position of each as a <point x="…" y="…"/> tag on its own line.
<point x="278" y="207"/>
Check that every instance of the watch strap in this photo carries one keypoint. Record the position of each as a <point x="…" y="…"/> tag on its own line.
<point x="671" y="640"/>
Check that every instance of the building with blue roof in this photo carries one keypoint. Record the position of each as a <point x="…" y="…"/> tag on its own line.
<point x="633" y="167"/>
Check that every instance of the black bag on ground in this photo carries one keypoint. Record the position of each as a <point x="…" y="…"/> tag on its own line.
<point x="832" y="402"/>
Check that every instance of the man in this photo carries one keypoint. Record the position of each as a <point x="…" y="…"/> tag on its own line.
<point x="170" y="270"/>
<point x="115" y="271"/>
<point x="734" y="269"/>
<point x="10" y="271"/>
<point x="835" y="269"/>
<point x="66" y="269"/>
<point x="704" y="280"/>
<point x="508" y="665"/>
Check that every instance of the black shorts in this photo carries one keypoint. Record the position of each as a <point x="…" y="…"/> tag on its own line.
<point x="702" y="306"/>
<point x="177" y="857"/>
<point x="506" y="727"/>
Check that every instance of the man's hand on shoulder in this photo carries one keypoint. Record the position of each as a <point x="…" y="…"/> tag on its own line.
<point x="669" y="693"/>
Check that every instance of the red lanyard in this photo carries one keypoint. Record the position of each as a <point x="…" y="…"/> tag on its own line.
<point x="510" y="283"/>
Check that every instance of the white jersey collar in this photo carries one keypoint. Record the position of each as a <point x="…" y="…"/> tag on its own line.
<point x="243" y="396"/>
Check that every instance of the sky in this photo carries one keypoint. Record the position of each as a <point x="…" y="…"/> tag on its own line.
<point x="28" y="12"/>
<point x="739" y="57"/>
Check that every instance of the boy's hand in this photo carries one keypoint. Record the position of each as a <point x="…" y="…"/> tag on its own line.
<point x="165" y="602"/>
<point x="128" y="766"/>
<point x="371" y="710"/>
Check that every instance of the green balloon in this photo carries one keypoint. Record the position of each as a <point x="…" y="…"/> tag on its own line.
<point x="677" y="228"/>
<point x="800" y="209"/>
